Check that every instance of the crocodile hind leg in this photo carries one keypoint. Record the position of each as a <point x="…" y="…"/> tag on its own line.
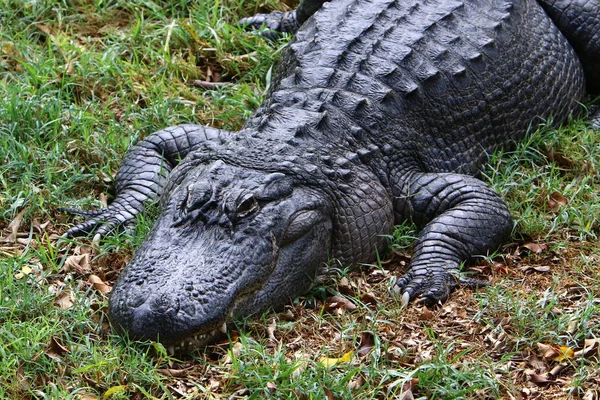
<point x="288" y="22"/>
<point x="143" y="175"/>
<point x="462" y="217"/>
<point x="579" y="22"/>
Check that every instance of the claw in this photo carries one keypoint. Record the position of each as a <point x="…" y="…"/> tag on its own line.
<point x="405" y="299"/>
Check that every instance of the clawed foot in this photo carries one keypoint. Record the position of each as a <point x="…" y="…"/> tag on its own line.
<point x="432" y="288"/>
<point x="100" y="222"/>
<point x="276" y="23"/>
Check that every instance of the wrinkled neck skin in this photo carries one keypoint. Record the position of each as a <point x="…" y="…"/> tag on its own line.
<point x="239" y="233"/>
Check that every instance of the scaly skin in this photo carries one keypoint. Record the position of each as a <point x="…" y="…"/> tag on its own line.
<point x="379" y="111"/>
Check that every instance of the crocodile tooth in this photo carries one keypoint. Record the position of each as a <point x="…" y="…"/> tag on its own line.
<point x="223" y="328"/>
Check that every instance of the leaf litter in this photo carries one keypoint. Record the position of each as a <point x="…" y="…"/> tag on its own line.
<point x="354" y="298"/>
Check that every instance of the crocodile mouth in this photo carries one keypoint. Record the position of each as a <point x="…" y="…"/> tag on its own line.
<point x="202" y="339"/>
<point x="198" y="341"/>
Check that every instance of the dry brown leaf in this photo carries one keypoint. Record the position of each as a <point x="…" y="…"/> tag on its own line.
<point x="556" y="201"/>
<point x="588" y="347"/>
<point x="366" y="343"/>
<point x="55" y="350"/>
<point x="541" y="269"/>
<point x="337" y="304"/>
<point x="99" y="285"/>
<point x="407" y="389"/>
<point x="540" y="380"/>
<point x="287" y="315"/>
<point x="78" y="263"/>
<point x="426" y="314"/>
<point x="369" y="298"/>
<point x="535" y="248"/>
<point x="328" y="393"/>
<point x="557" y="369"/>
<point x="175" y="373"/>
<point x="548" y="352"/>
<point x="271" y="330"/>
<point x="501" y="268"/>
<point x="234" y="352"/>
<point x="87" y="396"/>
<point x="14" y="226"/>
<point x="40" y="228"/>
<point x="356" y="383"/>
<point x="560" y="158"/>
<point x="345" y="286"/>
<point x="64" y="300"/>
<point x="272" y="387"/>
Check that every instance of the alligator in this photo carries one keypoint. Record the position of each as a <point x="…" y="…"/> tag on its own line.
<point x="379" y="111"/>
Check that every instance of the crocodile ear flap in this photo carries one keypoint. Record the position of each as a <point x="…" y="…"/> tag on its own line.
<point x="274" y="186"/>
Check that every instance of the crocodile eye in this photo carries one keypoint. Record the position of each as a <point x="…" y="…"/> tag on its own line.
<point x="247" y="206"/>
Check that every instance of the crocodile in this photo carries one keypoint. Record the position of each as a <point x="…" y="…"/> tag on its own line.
<point x="379" y="111"/>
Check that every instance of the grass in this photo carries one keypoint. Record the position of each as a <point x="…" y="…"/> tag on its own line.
<point x="81" y="81"/>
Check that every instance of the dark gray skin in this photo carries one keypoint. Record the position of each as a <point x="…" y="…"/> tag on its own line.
<point x="379" y="111"/>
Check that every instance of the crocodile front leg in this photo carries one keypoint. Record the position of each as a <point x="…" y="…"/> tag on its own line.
<point x="143" y="175"/>
<point x="279" y="22"/>
<point x="462" y="218"/>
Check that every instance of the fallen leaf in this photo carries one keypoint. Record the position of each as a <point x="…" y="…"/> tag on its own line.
<point x="407" y="389"/>
<point x="556" y="201"/>
<point x="271" y="330"/>
<point x="335" y="304"/>
<point x="535" y="248"/>
<point x="55" y="350"/>
<point x="564" y="353"/>
<point x="25" y="270"/>
<point x="99" y="284"/>
<point x="366" y="343"/>
<point x="344" y="286"/>
<point x="548" y="351"/>
<point x="272" y="387"/>
<point x="64" y="300"/>
<point x="560" y="158"/>
<point x="356" y="383"/>
<point x="502" y="268"/>
<point x="175" y="373"/>
<point x="557" y="369"/>
<point x="87" y="396"/>
<point x="40" y="228"/>
<point x="78" y="263"/>
<point x="330" y="362"/>
<point x="541" y="269"/>
<point x="426" y="314"/>
<point x="540" y="380"/>
<point x="328" y="393"/>
<point x="114" y="390"/>
<point x="287" y="315"/>
<point x="15" y="224"/>
<point x="369" y="298"/>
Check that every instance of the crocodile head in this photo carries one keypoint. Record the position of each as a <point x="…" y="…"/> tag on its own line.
<point x="228" y="241"/>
